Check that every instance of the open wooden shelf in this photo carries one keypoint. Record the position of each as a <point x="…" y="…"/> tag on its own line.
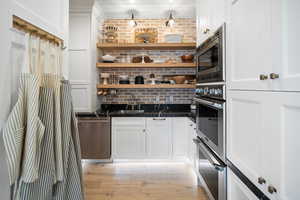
<point x="140" y="46"/>
<point x="145" y="86"/>
<point x="146" y="65"/>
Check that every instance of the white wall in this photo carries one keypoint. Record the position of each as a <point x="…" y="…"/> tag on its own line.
<point x="50" y="15"/>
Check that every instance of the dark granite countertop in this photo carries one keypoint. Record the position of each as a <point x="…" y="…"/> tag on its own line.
<point x="152" y="110"/>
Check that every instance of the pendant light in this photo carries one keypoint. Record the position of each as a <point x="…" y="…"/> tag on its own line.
<point x="132" y="21"/>
<point x="170" y="21"/>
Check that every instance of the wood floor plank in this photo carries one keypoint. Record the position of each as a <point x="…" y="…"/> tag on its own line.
<point x="141" y="181"/>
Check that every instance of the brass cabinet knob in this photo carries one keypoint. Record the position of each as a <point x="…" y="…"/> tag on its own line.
<point x="206" y="30"/>
<point x="261" y="180"/>
<point x="263" y="77"/>
<point x="274" y="76"/>
<point x="272" y="189"/>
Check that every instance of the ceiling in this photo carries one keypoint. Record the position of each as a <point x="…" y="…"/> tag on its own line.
<point x="120" y="9"/>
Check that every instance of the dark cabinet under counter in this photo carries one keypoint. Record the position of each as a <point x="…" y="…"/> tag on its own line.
<point x="95" y="137"/>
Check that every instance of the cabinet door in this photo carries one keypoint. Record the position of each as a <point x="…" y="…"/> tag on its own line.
<point x="282" y="145"/>
<point x="179" y="137"/>
<point x="128" y="138"/>
<point x="246" y="127"/>
<point x="190" y="141"/>
<point x="237" y="190"/>
<point x="249" y="44"/>
<point x="195" y="153"/>
<point x="158" y="136"/>
<point x="217" y="13"/>
<point x="203" y="15"/>
<point x="286" y="31"/>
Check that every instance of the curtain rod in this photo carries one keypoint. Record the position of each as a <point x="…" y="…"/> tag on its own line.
<point x="25" y="26"/>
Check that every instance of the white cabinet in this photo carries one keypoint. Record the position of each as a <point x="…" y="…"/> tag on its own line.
<point x="192" y="147"/>
<point x="218" y="18"/>
<point x="262" y="39"/>
<point x="158" y="137"/>
<point x="286" y="30"/>
<point x="180" y="133"/>
<point x="128" y="138"/>
<point x="210" y="16"/>
<point x="249" y="43"/>
<point x="263" y="139"/>
<point x="236" y="189"/>
<point x="204" y="21"/>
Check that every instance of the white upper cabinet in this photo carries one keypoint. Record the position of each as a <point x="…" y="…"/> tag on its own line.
<point x="264" y="141"/>
<point x="210" y="16"/>
<point x="262" y="45"/>
<point x="158" y="136"/>
<point x="204" y="21"/>
<point x="218" y="18"/>
<point x="248" y="46"/>
<point x="286" y="29"/>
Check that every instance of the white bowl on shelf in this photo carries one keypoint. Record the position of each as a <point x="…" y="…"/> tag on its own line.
<point x="108" y="58"/>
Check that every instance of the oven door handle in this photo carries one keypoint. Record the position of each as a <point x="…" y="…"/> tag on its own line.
<point x="213" y="161"/>
<point x="212" y="104"/>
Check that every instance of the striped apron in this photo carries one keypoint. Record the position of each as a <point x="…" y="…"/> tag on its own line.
<point x="47" y="181"/>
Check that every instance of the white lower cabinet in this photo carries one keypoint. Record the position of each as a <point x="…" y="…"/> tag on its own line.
<point x="192" y="147"/>
<point x="128" y="138"/>
<point x="263" y="140"/>
<point x="236" y="189"/>
<point x="180" y="133"/>
<point x="158" y="137"/>
<point x="150" y="138"/>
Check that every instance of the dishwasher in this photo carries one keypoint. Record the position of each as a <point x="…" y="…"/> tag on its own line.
<point x="95" y="137"/>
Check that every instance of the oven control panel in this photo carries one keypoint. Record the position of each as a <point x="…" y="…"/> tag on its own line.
<point x="211" y="91"/>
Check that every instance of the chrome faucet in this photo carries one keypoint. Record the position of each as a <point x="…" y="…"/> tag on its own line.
<point x="132" y="103"/>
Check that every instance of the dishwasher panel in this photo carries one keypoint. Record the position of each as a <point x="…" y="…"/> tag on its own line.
<point x="95" y="137"/>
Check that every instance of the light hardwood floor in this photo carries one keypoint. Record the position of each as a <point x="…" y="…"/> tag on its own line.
<point x="136" y="181"/>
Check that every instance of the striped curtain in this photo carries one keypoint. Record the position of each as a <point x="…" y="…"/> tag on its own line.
<point x="41" y="135"/>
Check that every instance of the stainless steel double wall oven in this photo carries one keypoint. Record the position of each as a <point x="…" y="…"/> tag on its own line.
<point x="210" y="99"/>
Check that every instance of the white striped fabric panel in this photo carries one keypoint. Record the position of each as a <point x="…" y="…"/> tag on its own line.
<point x="71" y="188"/>
<point x="24" y="120"/>
<point x="42" y="188"/>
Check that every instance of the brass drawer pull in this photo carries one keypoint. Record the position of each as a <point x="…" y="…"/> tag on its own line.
<point x="261" y="180"/>
<point x="274" y="76"/>
<point x="263" y="77"/>
<point x="272" y="189"/>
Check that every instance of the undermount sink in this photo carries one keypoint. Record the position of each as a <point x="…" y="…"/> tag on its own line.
<point x="131" y="111"/>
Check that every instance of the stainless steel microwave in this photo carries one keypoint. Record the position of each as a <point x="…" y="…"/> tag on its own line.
<point x="210" y="58"/>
